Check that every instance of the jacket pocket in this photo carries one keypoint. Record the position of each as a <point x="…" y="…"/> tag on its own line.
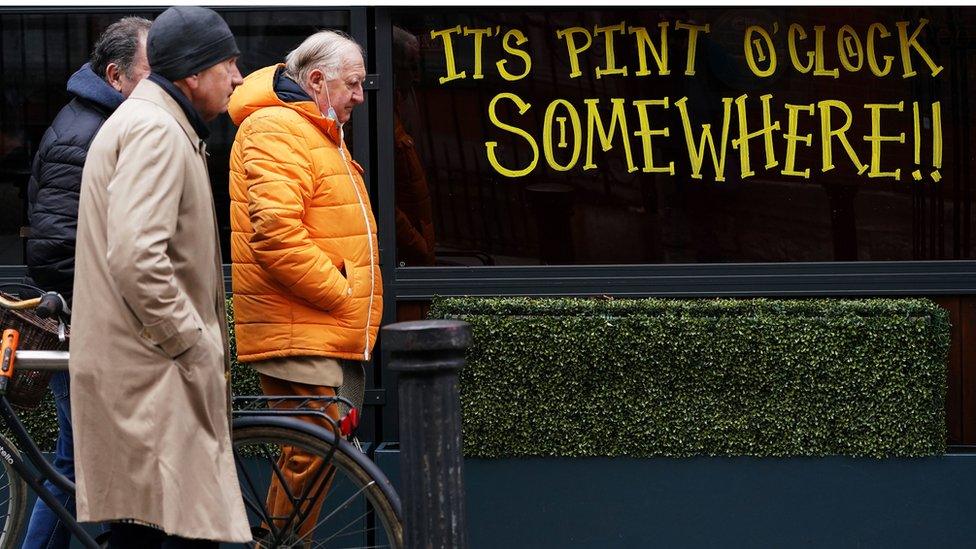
<point x="200" y="353"/>
<point x="344" y="309"/>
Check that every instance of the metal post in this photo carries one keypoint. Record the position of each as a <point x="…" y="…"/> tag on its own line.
<point x="428" y="354"/>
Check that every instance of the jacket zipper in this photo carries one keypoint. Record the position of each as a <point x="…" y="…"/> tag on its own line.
<point x="369" y="238"/>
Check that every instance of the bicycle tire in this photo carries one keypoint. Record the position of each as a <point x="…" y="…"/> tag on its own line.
<point x="357" y="489"/>
<point x="13" y="500"/>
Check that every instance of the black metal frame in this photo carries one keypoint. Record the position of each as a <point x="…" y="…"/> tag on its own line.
<point x="907" y="278"/>
<point x="257" y="412"/>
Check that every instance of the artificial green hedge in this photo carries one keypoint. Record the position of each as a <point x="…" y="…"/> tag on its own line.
<point x="42" y="423"/>
<point x="652" y="377"/>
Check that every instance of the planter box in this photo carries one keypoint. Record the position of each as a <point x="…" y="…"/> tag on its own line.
<point x="831" y="502"/>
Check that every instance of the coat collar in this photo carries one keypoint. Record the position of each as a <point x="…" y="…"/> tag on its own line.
<point x="152" y="92"/>
<point x="184" y="102"/>
<point x="258" y="91"/>
<point x="84" y="83"/>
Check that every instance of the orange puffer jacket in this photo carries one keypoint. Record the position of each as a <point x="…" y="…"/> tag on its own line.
<point x="305" y="257"/>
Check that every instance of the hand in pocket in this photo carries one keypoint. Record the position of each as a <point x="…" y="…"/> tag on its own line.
<point x="200" y="353"/>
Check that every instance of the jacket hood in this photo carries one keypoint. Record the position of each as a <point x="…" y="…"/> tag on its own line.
<point x="84" y="83"/>
<point x="259" y="91"/>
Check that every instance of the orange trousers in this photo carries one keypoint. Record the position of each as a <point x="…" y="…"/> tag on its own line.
<point x="304" y="473"/>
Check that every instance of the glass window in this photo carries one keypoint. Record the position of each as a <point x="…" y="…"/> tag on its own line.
<point x="696" y="135"/>
<point x="39" y="51"/>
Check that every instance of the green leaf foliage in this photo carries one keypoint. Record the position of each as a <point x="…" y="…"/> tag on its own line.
<point x="719" y="377"/>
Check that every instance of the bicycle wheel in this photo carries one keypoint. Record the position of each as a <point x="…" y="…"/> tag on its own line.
<point x="343" y="502"/>
<point x="13" y="500"/>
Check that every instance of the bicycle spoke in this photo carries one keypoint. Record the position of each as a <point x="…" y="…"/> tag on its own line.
<point x="345" y="504"/>
<point x="339" y="533"/>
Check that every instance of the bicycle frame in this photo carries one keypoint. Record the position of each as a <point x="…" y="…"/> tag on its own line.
<point x="251" y="409"/>
<point x="45" y="471"/>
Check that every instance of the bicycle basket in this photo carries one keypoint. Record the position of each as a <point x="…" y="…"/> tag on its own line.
<point x="28" y="387"/>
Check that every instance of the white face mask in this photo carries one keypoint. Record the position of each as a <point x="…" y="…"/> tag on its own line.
<point x="330" y="114"/>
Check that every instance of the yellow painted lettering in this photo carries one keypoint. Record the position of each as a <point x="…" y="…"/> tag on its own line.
<point x="917" y="135"/>
<point x="828" y="132"/>
<point x="937" y="140"/>
<point x="872" y="56"/>
<point x="820" y="69"/>
<point x="754" y="47"/>
<point x="547" y="134"/>
<point x="445" y="36"/>
<point x="573" y="49"/>
<point x="693" y="31"/>
<point x="645" y="133"/>
<point x="594" y="124"/>
<point x="793" y="119"/>
<point x="519" y="39"/>
<point x="490" y="146"/>
<point x="905" y="43"/>
<point x="660" y="53"/>
<point x="791" y="38"/>
<point x="742" y="142"/>
<point x="608" y="33"/>
<point x="875" y="138"/>
<point x="479" y="39"/>
<point x="848" y="46"/>
<point x="697" y="155"/>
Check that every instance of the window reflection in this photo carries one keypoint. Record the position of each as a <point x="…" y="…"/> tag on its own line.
<point x="628" y="209"/>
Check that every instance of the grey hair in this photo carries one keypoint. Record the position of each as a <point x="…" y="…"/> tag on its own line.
<point x="325" y="50"/>
<point x="119" y="44"/>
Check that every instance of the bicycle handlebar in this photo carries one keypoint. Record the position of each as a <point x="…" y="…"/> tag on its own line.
<point x="52" y="305"/>
<point x="19" y="305"/>
<point x="42" y="360"/>
<point x="49" y="305"/>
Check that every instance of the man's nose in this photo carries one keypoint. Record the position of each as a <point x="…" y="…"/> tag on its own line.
<point x="236" y="78"/>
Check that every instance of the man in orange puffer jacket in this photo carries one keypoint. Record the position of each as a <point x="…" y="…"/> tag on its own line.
<point x="306" y="271"/>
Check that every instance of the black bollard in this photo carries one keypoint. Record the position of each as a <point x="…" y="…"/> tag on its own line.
<point x="428" y="354"/>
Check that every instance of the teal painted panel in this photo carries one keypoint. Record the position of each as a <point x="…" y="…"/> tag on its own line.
<point x="705" y="502"/>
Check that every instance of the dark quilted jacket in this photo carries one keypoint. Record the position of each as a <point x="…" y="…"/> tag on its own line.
<point x="55" y="181"/>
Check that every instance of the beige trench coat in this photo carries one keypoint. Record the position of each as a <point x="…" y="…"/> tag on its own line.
<point x="149" y="375"/>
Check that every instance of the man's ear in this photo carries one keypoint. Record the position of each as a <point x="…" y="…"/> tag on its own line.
<point x="316" y="79"/>
<point x="113" y="75"/>
<point x="192" y="81"/>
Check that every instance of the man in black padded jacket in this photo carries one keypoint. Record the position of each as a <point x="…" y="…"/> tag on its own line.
<point x="118" y="63"/>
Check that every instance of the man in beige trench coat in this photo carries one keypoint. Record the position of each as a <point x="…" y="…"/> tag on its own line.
<point x="149" y="366"/>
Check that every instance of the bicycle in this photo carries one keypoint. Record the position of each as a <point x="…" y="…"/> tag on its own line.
<point x="367" y="511"/>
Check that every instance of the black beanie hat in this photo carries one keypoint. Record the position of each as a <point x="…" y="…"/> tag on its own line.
<point x="185" y="40"/>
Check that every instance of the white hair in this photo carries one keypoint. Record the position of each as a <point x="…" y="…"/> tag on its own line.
<point x="326" y="50"/>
